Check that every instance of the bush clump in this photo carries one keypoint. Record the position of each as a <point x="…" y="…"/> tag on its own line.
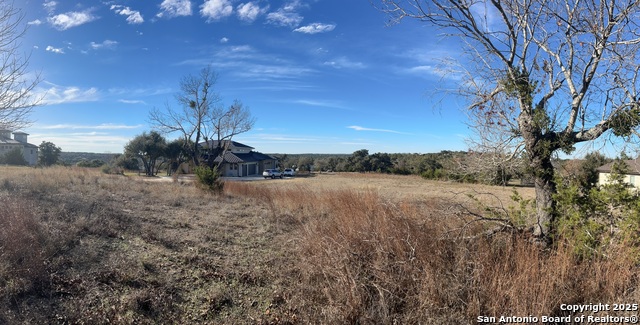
<point x="209" y="178"/>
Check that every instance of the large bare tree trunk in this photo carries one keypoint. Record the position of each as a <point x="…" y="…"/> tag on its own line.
<point x="545" y="205"/>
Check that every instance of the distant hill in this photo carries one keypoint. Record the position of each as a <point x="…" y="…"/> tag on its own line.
<point x="71" y="158"/>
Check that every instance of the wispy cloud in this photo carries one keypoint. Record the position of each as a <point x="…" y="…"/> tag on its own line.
<point x="140" y="92"/>
<point x="360" y="128"/>
<point x="50" y="6"/>
<point x="322" y="103"/>
<point x="107" y="44"/>
<point x="35" y="22"/>
<point x="83" y="141"/>
<point x="133" y="16"/>
<point x="250" y="11"/>
<point x="59" y="95"/>
<point x="71" y="19"/>
<point x="132" y="101"/>
<point x="216" y="9"/>
<point x="244" y="61"/>
<point x="174" y="8"/>
<point x="345" y="63"/>
<point x="429" y="63"/>
<point x="315" y="28"/>
<point x="103" y="126"/>
<point x="224" y="40"/>
<point x="284" y="18"/>
<point x="54" y="49"/>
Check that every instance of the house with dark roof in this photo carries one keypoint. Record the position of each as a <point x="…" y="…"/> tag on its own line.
<point x="632" y="175"/>
<point x="239" y="160"/>
<point x="19" y="141"/>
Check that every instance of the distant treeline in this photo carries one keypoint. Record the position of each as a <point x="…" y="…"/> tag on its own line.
<point x="460" y="166"/>
<point x="429" y="165"/>
<point x="73" y="158"/>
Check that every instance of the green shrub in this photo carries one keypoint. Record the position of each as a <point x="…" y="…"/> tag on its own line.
<point x="14" y="157"/>
<point x="590" y="219"/>
<point x="209" y="178"/>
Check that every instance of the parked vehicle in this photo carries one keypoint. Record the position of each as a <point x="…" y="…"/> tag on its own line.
<point x="289" y="172"/>
<point x="273" y="173"/>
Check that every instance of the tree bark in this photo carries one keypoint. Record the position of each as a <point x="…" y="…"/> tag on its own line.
<point x="545" y="188"/>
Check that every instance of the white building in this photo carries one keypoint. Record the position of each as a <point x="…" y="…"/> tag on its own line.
<point x="19" y="140"/>
<point x="632" y="175"/>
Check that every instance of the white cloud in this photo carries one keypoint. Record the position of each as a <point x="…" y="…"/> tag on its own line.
<point x="250" y="11"/>
<point x="284" y="18"/>
<point x="54" y="49"/>
<point x="132" y="101"/>
<point x="315" y="28"/>
<point x="103" y="126"/>
<point x="292" y="5"/>
<point x="84" y="142"/>
<point x="175" y="8"/>
<point x="133" y="16"/>
<point x="50" y="6"/>
<point x="216" y="9"/>
<point x="60" y="95"/>
<point x="360" y="128"/>
<point x="342" y="62"/>
<point x="224" y="40"/>
<point x="107" y="44"/>
<point x="35" y="22"/>
<point x="322" y="103"/>
<point x="71" y="19"/>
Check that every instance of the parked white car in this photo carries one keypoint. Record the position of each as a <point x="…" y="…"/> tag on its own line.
<point x="272" y="173"/>
<point x="289" y="172"/>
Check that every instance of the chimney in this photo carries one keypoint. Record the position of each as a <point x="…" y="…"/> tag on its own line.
<point x="20" y="136"/>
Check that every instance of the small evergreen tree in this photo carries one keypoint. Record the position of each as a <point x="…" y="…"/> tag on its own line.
<point x="14" y="157"/>
<point x="48" y="153"/>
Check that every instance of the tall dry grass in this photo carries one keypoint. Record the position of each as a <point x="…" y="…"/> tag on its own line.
<point x="365" y="259"/>
<point x="23" y="247"/>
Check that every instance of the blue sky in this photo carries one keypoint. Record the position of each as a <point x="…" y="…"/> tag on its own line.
<point x="319" y="76"/>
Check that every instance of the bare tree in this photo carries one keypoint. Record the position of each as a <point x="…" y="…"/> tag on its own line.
<point x="226" y="123"/>
<point x="16" y="100"/>
<point x="545" y="75"/>
<point x="202" y="117"/>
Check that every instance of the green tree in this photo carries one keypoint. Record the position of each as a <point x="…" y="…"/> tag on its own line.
<point x="588" y="170"/>
<point x="305" y="163"/>
<point x="359" y="161"/>
<point x="380" y="162"/>
<point x="48" y="154"/>
<point x="177" y="152"/>
<point x="14" y="157"/>
<point x="148" y="147"/>
<point x="541" y="76"/>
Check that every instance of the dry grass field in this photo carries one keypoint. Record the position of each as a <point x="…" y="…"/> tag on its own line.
<point x="80" y="247"/>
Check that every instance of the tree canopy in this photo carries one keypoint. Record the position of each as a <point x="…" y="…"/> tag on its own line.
<point x="48" y="153"/>
<point x="148" y="147"/>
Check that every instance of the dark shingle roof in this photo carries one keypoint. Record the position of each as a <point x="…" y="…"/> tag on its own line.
<point x="235" y="158"/>
<point x="214" y="143"/>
